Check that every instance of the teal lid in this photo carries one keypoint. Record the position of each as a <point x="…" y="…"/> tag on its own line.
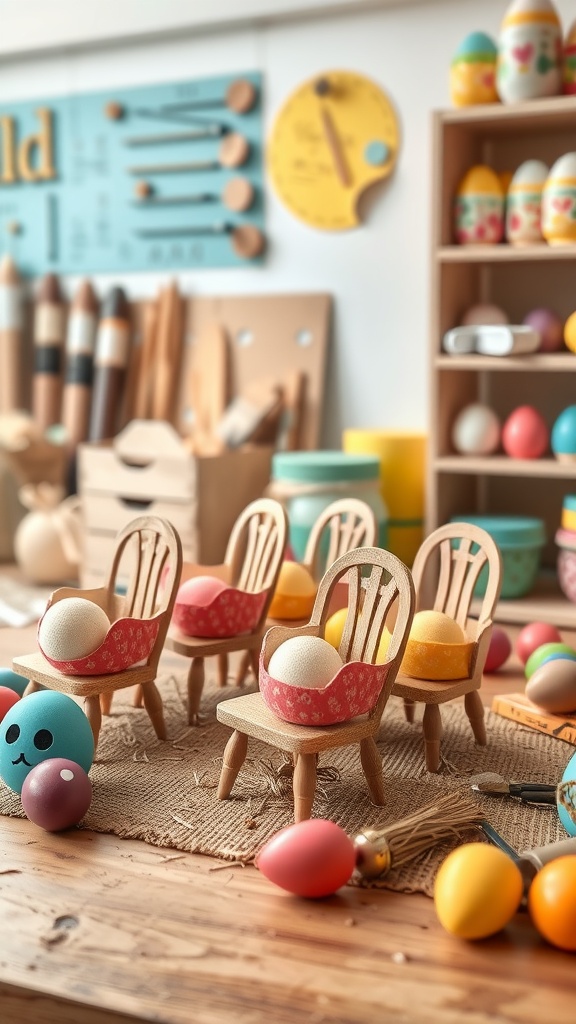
<point x="509" y="531"/>
<point x="569" y="502"/>
<point x="322" y="466"/>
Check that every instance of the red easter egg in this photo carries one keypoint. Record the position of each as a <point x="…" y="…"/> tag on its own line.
<point x="525" y="434"/>
<point x="534" y="635"/>
<point x="200" y="590"/>
<point x="499" y="650"/>
<point x="312" y="858"/>
<point x="56" y="794"/>
<point x="8" y="698"/>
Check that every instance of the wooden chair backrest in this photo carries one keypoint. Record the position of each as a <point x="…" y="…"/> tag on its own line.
<point x="377" y="580"/>
<point x="155" y="552"/>
<point x="350" y="523"/>
<point x="463" y="550"/>
<point x="256" y="547"/>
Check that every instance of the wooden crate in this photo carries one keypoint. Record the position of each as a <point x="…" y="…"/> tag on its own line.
<point x="147" y="469"/>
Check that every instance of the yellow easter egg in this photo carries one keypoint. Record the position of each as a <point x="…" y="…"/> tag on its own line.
<point x="295" y="593"/>
<point x="335" y="627"/>
<point x="436" y="627"/>
<point x="477" y="891"/>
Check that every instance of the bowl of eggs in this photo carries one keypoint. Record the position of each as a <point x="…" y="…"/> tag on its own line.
<point x="76" y="636"/>
<point x="207" y="606"/>
<point x="304" y="680"/>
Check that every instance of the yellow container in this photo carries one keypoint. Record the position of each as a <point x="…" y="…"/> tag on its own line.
<point x="402" y="458"/>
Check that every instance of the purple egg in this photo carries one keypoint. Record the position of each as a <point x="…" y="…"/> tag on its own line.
<point x="56" y="794"/>
<point x="549" y="326"/>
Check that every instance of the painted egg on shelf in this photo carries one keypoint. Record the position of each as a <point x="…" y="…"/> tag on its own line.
<point x="484" y="313"/>
<point x="569" y="62"/>
<point x="559" y="202"/>
<point x="525" y="433"/>
<point x="476" y="430"/>
<point x="479" y="207"/>
<point x="473" y="71"/>
<point x="529" y="64"/>
<point x="563" y="438"/>
<point x="524" y="203"/>
<point x="549" y="326"/>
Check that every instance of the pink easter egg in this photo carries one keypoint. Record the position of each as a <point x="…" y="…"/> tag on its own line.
<point x="549" y="326"/>
<point x="311" y="858"/>
<point x="534" y="635"/>
<point x="56" y="794"/>
<point x="525" y="434"/>
<point x="8" y="698"/>
<point x="499" y="650"/>
<point x="200" y="590"/>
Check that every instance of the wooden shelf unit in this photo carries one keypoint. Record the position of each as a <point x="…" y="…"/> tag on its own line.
<point x="518" y="279"/>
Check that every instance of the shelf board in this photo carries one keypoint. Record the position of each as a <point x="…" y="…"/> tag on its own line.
<point x="545" y="603"/>
<point x="502" y="465"/>
<point x="559" y="362"/>
<point x="504" y="253"/>
<point x="535" y="115"/>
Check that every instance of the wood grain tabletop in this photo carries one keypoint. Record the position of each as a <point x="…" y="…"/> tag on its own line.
<point x="100" y="930"/>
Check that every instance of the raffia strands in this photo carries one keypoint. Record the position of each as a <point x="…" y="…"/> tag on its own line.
<point x="436" y="822"/>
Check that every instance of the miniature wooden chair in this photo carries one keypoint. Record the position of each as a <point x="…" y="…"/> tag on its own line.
<point x="346" y="524"/>
<point x="252" y="562"/>
<point x="370" y="599"/>
<point x="149" y="549"/>
<point x="463" y="551"/>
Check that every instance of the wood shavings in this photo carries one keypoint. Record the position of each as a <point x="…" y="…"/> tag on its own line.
<point x="182" y="821"/>
<point x="399" y="958"/>
<point x="229" y="864"/>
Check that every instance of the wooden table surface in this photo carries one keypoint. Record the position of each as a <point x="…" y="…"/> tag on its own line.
<point x="99" y="930"/>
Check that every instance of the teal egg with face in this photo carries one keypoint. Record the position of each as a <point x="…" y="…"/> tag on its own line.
<point x="569" y="820"/>
<point x="43" y="725"/>
<point x="12" y="681"/>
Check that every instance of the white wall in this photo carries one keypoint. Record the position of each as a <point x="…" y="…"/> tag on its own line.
<point x="379" y="273"/>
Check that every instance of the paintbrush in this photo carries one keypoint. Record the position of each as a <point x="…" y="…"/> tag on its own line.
<point x="492" y="784"/>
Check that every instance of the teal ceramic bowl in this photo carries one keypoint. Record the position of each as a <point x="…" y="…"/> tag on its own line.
<point x="520" y="539"/>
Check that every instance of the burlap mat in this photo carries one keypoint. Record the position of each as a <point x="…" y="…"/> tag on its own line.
<point x="164" y="793"/>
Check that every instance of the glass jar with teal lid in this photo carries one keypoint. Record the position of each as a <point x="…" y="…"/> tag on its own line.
<point x="520" y="539"/>
<point x="307" y="481"/>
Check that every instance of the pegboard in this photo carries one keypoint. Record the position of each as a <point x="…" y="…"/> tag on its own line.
<point x="74" y="171"/>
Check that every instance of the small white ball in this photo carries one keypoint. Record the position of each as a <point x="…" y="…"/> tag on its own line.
<point x="476" y="430"/>
<point x="305" y="661"/>
<point x="72" y="628"/>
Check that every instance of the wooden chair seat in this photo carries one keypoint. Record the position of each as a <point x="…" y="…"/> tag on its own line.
<point x="377" y="582"/>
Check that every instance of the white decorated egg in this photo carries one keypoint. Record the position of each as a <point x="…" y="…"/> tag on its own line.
<point x="476" y="430"/>
<point x="529" y="64"/>
<point x="559" y="202"/>
<point x="524" y="203"/>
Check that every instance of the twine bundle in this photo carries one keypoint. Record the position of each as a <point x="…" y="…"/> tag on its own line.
<point x="378" y="850"/>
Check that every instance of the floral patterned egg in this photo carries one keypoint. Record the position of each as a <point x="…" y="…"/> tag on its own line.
<point x="524" y="203"/>
<point x="479" y="207"/>
<point x="559" y="202"/>
<point x="569" y="62"/>
<point x="529" y="61"/>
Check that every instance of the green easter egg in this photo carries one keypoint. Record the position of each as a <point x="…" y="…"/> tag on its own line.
<point x="543" y="652"/>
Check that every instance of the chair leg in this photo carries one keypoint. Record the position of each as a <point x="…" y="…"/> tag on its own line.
<point x="222" y="669"/>
<point x="372" y="768"/>
<point x="137" y="698"/>
<point x="475" y="710"/>
<point x="94" y="715"/>
<point x="195" y="687"/>
<point x="432" y="727"/>
<point x="106" y="702"/>
<point x="232" y="761"/>
<point x="409" y="708"/>
<point x="153" y="704"/>
<point x="304" y="784"/>
<point x="255" y="662"/>
<point x="243" y="667"/>
<point x="31" y="687"/>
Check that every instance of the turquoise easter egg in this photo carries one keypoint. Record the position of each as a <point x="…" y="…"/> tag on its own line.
<point x="43" y="725"/>
<point x="543" y="652"/>
<point x="569" y="776"/>
<point x="12" y="681"/>
<point x="477" y="46"/>
<point x="563" y="436"/>
<point x="473" y="71"/>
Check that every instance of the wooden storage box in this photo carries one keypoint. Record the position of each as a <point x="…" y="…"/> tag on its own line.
<point x="147" y="469"/>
